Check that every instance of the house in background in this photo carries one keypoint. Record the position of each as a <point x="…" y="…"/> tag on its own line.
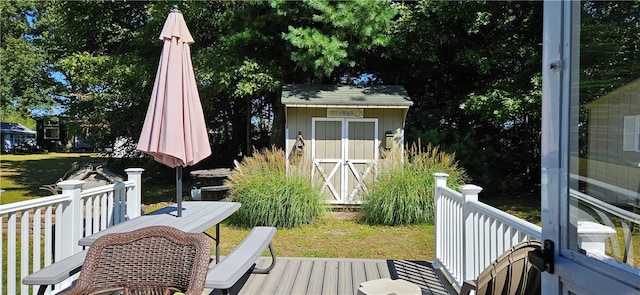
<point x="52" y="132"/>
<point x="16" y="137"/>
<point x="613" y="154"/>
<point x="341" y="131"/>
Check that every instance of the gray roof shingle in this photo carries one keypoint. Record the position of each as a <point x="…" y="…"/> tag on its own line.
<point x="342" y="95"/>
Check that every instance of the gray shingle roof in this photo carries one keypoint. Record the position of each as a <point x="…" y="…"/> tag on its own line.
<point x="340" y="95"/>
<point x="7" y="127"/>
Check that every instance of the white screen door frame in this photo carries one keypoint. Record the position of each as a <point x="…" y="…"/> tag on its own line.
<point x="575" y="272"/>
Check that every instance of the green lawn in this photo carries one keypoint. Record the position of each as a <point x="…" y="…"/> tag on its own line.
<point x="22" y="175"/>
<point x="336" y="238"/>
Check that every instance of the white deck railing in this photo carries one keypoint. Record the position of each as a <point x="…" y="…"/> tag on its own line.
<point x="470" y="234"/>
<point x="45" y="230"/>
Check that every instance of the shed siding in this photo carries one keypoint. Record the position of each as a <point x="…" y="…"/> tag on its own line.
<point x="606" y="161"/>
<point x="390" y="120"/>
<point x="299" y="119"/>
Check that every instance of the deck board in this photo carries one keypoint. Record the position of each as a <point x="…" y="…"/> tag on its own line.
<point x="330" y="283"/>
<point x="300" y="285"/>
<point x="336" y="276"/>
<point x="345" y="282"/>
<point x="317" y="277"/>
<point x="288" y="278"/>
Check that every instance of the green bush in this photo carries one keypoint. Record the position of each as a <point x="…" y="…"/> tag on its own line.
<point x="271" y="198"/>
<point x="403" y="191"/>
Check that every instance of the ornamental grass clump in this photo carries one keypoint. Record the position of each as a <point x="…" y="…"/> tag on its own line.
<point x="269" y="196"/>
<point x="403" y="191"/>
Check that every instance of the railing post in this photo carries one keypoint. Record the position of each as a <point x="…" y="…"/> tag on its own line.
<point x="72" y="219"/>
<point x="469" y="233"/>
<point x="440" y="181"/>
<point x="134" y="197"/>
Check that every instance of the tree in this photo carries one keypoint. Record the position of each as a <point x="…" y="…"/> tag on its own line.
<point x="107" y="53"/>
<point x="104" y="52"/>
<point x="25" y="84"/>
<point x="472" y="69"/>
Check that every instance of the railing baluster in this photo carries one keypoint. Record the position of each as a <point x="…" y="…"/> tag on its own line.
<point x="37" y="238"/>
<point x="96" y="213"/>
<point x="110" y="208"/>
<point x="24" y="248"/>
<point x="48" y="245"/>
<point x="11" y="253"/>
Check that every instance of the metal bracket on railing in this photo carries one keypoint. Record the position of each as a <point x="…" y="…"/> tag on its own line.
<point x="543" y="259"/>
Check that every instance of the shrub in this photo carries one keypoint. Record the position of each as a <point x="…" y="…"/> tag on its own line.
<point x="269" y="196"/>
<point x="403" y="191"/>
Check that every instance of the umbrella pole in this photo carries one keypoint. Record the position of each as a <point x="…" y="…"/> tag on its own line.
<point x="179" y="189"/>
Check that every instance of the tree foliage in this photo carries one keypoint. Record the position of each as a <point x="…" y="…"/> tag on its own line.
<point x="472" y="69"/>
<point x="25" y="83"/>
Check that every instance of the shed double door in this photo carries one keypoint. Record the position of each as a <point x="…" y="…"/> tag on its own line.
<point x="344" y="153"/>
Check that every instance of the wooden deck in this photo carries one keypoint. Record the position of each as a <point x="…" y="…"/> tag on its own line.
<point x="334" y="276"/>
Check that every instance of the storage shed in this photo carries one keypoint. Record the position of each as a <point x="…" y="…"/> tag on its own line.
<point x="341" y="130"/>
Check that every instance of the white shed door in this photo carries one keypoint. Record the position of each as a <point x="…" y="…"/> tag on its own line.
<point x="344" y="153"/>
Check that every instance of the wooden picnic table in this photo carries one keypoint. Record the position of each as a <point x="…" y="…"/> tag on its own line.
<point x="210" y="183"/>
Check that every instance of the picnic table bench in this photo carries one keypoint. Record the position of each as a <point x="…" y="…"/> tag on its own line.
<point x="241" y="260"/>
<point x="56" y="272"/>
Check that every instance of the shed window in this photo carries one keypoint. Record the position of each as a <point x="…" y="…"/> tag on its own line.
<point x="631" y="136"/>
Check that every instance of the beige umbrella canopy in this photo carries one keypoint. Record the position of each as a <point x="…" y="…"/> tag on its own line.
<point x="174" y="130"/>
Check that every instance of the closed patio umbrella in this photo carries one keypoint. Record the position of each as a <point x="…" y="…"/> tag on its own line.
<point x="174" y="130"/>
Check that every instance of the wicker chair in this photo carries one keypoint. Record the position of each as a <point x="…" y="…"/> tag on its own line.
<point x="152" y="260"/>
<point x="510" y="274"/>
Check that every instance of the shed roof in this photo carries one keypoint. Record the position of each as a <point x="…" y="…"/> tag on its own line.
<point x="312" y="95"/>
<point x="628" y="92"/>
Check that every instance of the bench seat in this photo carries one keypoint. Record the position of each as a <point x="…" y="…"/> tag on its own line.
<point x="215" y="188"/>
<point x="242" y="259"/>
<point x="56" y="272"/>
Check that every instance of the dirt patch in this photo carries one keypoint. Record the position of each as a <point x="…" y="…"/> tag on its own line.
<point x="345" y="215"/>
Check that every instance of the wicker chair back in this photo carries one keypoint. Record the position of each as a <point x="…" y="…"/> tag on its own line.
<point x="151" y="260"/>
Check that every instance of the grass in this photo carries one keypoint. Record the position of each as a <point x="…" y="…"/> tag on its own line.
<point x="524" y="207"/>
<point x="343" y="238"/>
<point x="270" y="195"/>
<point x="403" y="191"/>
<point x="22" y="175"/>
